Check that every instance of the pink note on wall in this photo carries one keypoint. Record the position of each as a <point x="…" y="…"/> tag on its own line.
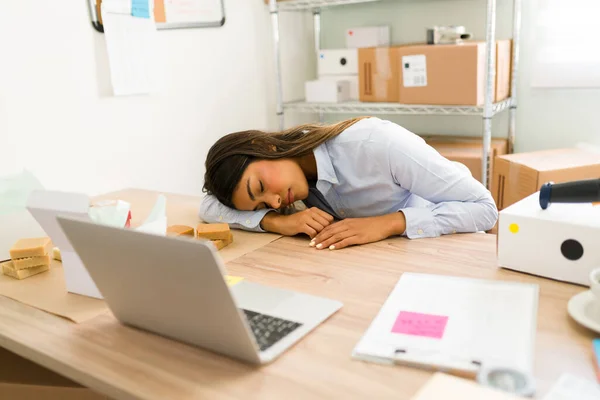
<point x="417" y="324"/>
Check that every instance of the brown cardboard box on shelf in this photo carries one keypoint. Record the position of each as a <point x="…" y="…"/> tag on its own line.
<point x="23" y="379"/>
<point x="378" y="74"/>
<point x="517" y="176"/>
<point x="503" y="69"/>
<point x="451" y="74"/>
<point x="467" y="150"/>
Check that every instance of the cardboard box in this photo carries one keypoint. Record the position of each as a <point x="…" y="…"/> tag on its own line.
<point x="352" y="79"/>
<point x="327" y="91"/>
<point x="22" y="379"/>
<point x="503" y="69"/>
<point x="338" y="62"/>
<point x="369" y="36"/>
<point x="451" y="74"/>
<point x="517" y="176"/>
<point x="467" y="150"/>
<point x="378" y="74"/>
<point x="559" y="242"/>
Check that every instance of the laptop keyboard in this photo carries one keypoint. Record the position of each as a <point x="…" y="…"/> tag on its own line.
<point x="269" y="330"/>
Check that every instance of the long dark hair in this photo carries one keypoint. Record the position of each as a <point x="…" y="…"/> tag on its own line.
<point x="229" y="157"/>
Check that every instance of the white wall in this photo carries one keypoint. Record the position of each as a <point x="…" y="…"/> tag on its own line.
<point x="545" y="119"/>
<point x="58" y="120"/>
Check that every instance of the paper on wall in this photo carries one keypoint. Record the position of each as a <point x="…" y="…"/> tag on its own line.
<point x="131" y="44"/>
<point x="193" y="10"/>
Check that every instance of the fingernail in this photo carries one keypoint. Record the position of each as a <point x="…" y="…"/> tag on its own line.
<point x="312" y="243"/>
<point x="332" y="247"/>
<point x="320" y="246"/>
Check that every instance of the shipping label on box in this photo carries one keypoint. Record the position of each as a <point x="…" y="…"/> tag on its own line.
<point x="414" y="70"/>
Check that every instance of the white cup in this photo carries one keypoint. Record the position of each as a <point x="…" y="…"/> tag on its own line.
<point x="595" y="283"/>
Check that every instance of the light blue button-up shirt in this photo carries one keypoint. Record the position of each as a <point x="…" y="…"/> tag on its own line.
<point x="376" y="167"/>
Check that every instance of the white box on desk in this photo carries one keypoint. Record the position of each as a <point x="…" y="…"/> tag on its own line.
<point x="352" y="80"/>
<point x="45" y="206"/>
<point x="560" y="242"/>
<point x="327" y="91"/>
<point x="338" y="62"/>
<point x="368" y="36"/>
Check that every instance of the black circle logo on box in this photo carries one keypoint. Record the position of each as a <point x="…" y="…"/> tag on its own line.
<point x="571" y="249"/>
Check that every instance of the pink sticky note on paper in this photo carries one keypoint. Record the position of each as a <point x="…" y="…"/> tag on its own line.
<point x="417" y="324"/>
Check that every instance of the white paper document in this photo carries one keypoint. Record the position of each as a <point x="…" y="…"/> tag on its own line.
<point x="131" y="44"/>
<point x="571" y="387"/>
<point x="457" y="323"/>
<point x="193" y="10"/>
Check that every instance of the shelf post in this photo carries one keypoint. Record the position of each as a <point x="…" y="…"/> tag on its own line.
<point x="317" y="31"/>
<point x="512" y="113"/>
<point x="274" y="11"/>
<point x="488" y="109"/>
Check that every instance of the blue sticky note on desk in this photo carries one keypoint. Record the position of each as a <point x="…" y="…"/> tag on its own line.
<point x="140" y="8"/>
<point x="596" y="347"/>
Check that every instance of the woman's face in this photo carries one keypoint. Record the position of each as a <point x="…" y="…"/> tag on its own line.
<point x="270" y="184"/>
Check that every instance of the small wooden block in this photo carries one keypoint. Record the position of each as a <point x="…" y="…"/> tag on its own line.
<point x="31" y="247"/>
<point x="219" y="244"/>
<point x="213" y="231"/>
<point x="180" y="230"/>
<point x="30" y="262"/>
<point x="56" y="254"/>
<point x="8" y="269"/>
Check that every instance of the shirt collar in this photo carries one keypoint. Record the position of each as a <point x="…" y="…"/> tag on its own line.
<point x="325" y="171"/>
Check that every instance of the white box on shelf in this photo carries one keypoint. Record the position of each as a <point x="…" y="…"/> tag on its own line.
<point x="338" y="62"/>
<point x="352" y="80"/>
<point x="560" y="242"/>
<point x="368" y="36"/>
<point x="327" y="91"/>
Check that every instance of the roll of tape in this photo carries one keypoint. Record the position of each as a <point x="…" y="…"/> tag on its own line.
<point x="508" y="380"/>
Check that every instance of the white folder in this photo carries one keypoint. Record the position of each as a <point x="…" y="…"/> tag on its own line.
<point x="454" y="324"/>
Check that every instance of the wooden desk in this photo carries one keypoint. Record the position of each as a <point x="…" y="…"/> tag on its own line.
<point x="125" y="363"/>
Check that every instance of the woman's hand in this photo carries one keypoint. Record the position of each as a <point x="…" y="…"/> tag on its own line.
<point x="310" y="221"/>
<point x="353" y="231"/>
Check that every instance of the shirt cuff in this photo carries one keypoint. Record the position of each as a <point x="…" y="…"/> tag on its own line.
<point x="251" y="220"/>
<point x="419" y="223"/>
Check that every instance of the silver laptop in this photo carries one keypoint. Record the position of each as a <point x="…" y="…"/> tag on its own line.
<point x="176" y="288"/>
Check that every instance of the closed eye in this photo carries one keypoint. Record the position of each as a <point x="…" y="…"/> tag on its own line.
<point x="262" y="188"/>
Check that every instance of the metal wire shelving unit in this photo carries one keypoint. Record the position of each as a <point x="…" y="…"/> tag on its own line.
<point x="487" y="111"/>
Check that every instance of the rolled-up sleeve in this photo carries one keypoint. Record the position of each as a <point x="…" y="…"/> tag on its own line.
<point x="213" y="211"/>
<point x="460" y="202"/>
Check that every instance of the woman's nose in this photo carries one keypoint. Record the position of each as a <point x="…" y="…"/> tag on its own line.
<point x="275" y="201"/>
